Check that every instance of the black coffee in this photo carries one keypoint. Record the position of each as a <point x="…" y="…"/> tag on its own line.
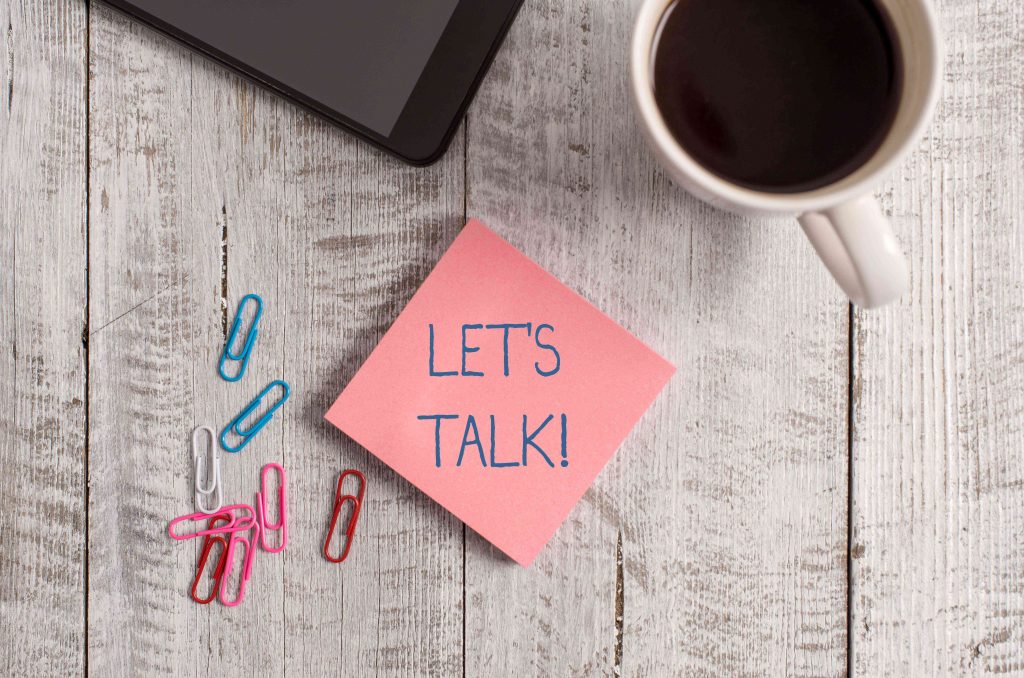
<point x="777" y="95"/>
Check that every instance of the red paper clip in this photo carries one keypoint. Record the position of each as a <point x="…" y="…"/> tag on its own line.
<point x="339" y="503"/>
<point x="204" y="556"/>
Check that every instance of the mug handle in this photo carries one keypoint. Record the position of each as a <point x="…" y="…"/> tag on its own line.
<point x="857" y="244"/>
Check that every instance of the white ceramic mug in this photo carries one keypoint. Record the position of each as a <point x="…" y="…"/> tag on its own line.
<point x="842" y="220"/>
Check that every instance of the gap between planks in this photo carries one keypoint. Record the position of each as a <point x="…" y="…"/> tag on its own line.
<point x="85" y="335"/>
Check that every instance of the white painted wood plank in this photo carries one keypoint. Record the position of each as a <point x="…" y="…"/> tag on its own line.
<point x="730" y="496"/>
<point x="938" y="561"/>
<point x="145" y="352"/>
<point x="238" y="160"/>
<point x="42" y="316"/>
<point x="336" y="238"/>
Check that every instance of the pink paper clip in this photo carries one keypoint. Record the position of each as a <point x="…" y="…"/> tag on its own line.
<point x="250" y="551"/>
<point x="237" y="523"/>
<point x="261" y="510"/>
<point x="339" y="502"/>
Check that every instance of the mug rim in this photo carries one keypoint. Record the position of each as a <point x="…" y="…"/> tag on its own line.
<point x="716" y="187"/>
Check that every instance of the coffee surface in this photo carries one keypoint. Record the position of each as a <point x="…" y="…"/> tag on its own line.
<point x="777" y="95"/>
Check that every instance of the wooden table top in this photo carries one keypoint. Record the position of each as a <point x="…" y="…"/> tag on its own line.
<point x="818" y="490"/>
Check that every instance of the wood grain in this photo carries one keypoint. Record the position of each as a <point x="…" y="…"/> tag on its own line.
<point x="938" y="559"/>
<point x="42" y="316"/>
<point x="238" y="178"/>
<point x="144" y="350"/>
<point x="718" y="531"/>
<point x="241" y="193"/>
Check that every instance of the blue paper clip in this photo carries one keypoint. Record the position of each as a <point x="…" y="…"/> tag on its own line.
<point x="250" y="338"/>
<point x="247" y="433"/>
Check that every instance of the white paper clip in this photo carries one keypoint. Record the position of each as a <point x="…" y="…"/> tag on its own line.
<point x="210" y="470"/>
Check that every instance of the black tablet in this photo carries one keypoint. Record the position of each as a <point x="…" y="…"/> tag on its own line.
<point x="398" y="73"/>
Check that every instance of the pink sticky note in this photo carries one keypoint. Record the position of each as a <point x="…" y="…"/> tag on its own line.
<point x="497" y="346"/>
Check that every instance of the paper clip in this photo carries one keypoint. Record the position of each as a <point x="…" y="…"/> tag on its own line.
<point x="241" y="357"/>
<point x="229" y="554"/>
<point x="237" y="524"/>
<point x="247" y="434"/>
<point x="209" y="469"/>
<point x="204" y="556"/>
<point x="339" y="503"/>
<point x="261" y="510"/>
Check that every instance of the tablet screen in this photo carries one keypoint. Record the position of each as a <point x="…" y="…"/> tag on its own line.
<point x="361" y="58"/>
